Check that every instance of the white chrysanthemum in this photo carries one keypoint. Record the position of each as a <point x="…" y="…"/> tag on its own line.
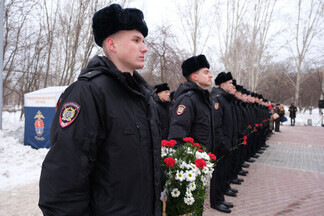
<point x="198" y="155"/>
<point x="195" y="169"/>
<point x="190" y="175"/>
<point x="189" y="166"/>
<point x="188" y="193"/>
<point x="193" y="166"/>
<point x="205" y="170"/>
<point x="163" y="154"/>
<point x="189" y="200"/>
<point x="189" y="150"/>
<point x="175" y="192"/>
<point x="204" y="181"/>
<point x="171" y="150"/>
<point x="192" y="186"/>
<point x="210" y="165"/>
<point x="180" y="175"/>
<point x="183" y="165"/>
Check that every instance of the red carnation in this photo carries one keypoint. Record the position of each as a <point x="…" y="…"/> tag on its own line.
<point x="212" y="156"/>
<point x="167" y="143"/>
<point x="200" y="163"/>
<point x="250" y="126"/>
<point x="255" y="130"/>
<point x="256" y="125"/>
<point x="200" y="150"/>
<point x="188" y="139"/>
<point x="261" y="124"/>
<point x="169" y="162"/>
<point x="196" y="145"/>
<point x="244" y="143"/>
<point x="172" y="143"/>
<point x="164" y="142"/>
<point x="245" y="138"/>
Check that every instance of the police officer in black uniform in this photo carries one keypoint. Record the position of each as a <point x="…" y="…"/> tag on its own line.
<point x="222" y="98"/>
<point x="105" y="146"/>
<point x="163" y="107"/>
<point x="191" y="111"/>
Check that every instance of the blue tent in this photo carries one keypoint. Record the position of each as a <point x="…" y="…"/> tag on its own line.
<point x="40" y="108"/>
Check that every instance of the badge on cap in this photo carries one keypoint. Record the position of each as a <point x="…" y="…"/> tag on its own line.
<point x="69" y="113"/>
<point x="181" y="109"/>
<point x="216" y="106"/>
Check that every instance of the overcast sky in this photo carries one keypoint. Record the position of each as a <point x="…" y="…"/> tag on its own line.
<point x="158" y="12"/>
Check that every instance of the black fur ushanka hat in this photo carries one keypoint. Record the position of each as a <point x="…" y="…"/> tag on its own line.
<point x="193" y="64"/>
<point x="223" y="77"/>
<point x="113" y="18"/>
<point x="161" y="87"/>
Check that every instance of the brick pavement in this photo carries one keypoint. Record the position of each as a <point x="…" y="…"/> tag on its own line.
<point x="287" y="179"/>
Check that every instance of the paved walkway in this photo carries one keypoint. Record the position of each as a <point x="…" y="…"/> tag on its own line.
<point x="287" y="179"/>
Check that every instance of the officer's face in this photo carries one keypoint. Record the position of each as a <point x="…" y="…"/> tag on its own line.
<point x="129" y="50"/>
<point x="238" y="95"/>
<point x="164" y="95"/>
<point x="202" y="77"/>
<point x="244" y="98"/>
<point x="228" y="86"/>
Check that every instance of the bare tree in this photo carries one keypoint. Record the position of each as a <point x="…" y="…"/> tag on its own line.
<point x="308" y="26"/>
<point x="50" y="28"/>
<point x="262" y="20"/>
<point x="164" y="58"/>
<point x="245" y="38"/>
<point x="45" y="44"/>
<point x="20" y="38"/>
<point x="197" y="23"/>
<point x="232" y="49"/>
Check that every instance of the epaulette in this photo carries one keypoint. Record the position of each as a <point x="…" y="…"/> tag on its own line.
<point x="189" y="93"/>
<point x="90" y="75"/>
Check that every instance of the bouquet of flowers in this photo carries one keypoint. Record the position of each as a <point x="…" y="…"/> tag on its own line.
<point x="188" y="170"/>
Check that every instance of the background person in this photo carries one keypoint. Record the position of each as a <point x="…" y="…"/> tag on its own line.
<point x="163" y="107"/>
<point x="292" y="114"/>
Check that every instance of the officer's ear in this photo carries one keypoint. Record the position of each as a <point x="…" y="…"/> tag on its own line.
<point x="109" y="44"/>
<point x="194" y="76"/>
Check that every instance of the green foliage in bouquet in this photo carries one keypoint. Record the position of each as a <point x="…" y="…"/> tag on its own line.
<point x="188" y="170"/>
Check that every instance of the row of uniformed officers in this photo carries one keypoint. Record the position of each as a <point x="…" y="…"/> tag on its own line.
<point x="106" y="137"/>
<point x="230" y="121"/>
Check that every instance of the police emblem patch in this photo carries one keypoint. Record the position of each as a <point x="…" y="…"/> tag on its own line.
<point x="69" y="112"/>
<point x="181" y="109"/>
<point x="216" y="106"/>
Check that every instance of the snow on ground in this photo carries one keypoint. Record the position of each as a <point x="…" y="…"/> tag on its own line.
<point x="303" y="118"/>
<point x="20" y="165"/>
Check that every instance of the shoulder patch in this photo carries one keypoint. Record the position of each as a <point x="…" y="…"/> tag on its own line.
<point x="69" y="112"/>
<point x="216" y="106"/>
<point x="181" y="109"/>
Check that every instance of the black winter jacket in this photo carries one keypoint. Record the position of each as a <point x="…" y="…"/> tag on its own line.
<point x="105" y="159"/>
<point x="223" y="120"/>
<point x="163" y="109"/>
<point x="191" y="115"/>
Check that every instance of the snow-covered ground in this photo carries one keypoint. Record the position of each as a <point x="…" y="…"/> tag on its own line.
<point x="304" y="118"/>
<point x="20" y="165"/>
